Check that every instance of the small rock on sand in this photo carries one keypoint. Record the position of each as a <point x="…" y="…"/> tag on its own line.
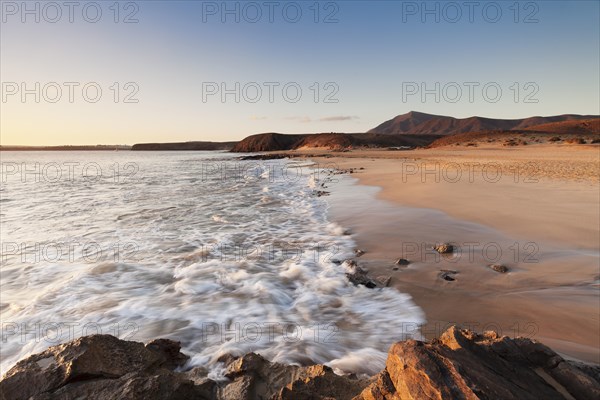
<point x="499" y="268"/>
<point x="448" y="274"/>
<point x="444" y="248"/>
<point x="402" y="261"/>
<point x="359" y="252"/>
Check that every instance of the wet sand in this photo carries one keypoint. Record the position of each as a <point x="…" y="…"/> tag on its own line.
<point x="534" y="210"/>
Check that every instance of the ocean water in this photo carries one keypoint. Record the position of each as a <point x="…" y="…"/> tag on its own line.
<point x="225" y="256"/>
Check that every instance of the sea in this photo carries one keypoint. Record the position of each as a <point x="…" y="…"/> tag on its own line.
<point x="223" y="255"/>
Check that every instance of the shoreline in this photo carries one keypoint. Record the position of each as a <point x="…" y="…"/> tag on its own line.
<point x="551" y="290"/>
<point x="552" y="300"/>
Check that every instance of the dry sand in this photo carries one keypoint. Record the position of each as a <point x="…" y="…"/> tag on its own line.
<point x="534" y="209"/>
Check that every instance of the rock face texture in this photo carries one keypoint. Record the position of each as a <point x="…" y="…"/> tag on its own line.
<point x="101" y="367"/>
<point x="465" y="365"/>
<point x="459" y="365"/>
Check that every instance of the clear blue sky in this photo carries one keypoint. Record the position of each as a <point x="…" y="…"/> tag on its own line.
<point x="370" y="54"/>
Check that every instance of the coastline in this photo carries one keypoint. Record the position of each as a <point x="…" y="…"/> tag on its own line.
<point x="551" y="290"/>
<point x="552" y="300"/>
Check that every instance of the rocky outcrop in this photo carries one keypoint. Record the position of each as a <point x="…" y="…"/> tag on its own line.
<point x="278" y="142"/>
<point x="253" y="377"/>
<point x="328" y="141"/>
<point x="102" y="367"/>
<point x="465" y="365"/>
<point x="459" y="365"/>
<point x="267" y="142"/>
<point x="331" y="141"/>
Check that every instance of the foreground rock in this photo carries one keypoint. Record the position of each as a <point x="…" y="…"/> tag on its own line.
<point x="253" y="377"/>
<point x="102" y="367"/>
<point x="460" y="365"/>
<point x="465" y="365"/>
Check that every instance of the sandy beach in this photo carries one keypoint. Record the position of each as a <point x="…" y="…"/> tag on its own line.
<point x="532" y="209"/>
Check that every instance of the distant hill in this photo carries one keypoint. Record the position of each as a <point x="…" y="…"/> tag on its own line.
<point x="100" y="147"/>
<point x="329" y="141"/>
<point x="183" y="146"/>
<point x="270" y="141"/>
<point x="575" y="131"/>
<point x="585" y="126"/>
<point x="416" y="123"/>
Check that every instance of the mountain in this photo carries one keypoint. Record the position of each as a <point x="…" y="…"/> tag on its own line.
<point x="417" y="123"/>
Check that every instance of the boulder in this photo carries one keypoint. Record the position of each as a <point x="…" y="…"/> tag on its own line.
<point x="253" y="377"/>
<point x="466" y="365"/>
<point x="99" y="364"/>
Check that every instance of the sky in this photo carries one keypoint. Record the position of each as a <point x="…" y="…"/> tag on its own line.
<point x="127" y="72"/>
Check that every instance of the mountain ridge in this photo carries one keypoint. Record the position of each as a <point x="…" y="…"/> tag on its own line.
<point x="418" y="123"/>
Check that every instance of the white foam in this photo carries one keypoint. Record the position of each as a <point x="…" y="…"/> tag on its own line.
<point x="215" y="254"/>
